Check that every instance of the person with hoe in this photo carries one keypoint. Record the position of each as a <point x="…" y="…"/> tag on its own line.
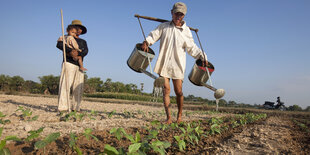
<point x="175" y="39"/>
<point x="71" y="75"/>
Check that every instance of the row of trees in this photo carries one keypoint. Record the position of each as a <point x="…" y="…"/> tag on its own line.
<point x="50" y="84"/>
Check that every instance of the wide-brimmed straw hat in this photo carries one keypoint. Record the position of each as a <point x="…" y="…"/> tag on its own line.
<point x="79" y="24"/>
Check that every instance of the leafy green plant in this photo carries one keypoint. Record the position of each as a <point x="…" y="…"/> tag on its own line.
<point x="215" y="126"/>
<point x="3" y="121"/>
<point x="47" y="140"/>
<point x="118" y="132"/>
<point x="301" y="125"/>
<point x="110" y="150"/>
<point x="26" y="114"/>
<point x="80" y="116"/>
<point x="111" y="114"/>
<point x="128" y="114"/>
<point x="159" y="146"/>
<point x="199" y="132"/>
<point x="92" y="114"/>
<point x="234" y="124"/>
<point x="3" y="149"/>
<point x="180" y="142"/>
<point x="34" y="134"/>
<point x="88" y="133"/>
<point x="72" y="144"/>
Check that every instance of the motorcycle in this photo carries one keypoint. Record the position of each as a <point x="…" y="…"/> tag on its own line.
<point x="271" y="106"/>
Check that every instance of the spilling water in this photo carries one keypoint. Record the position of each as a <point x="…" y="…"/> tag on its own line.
<point x="157" y="92"/>
<point x="217" y="104"/>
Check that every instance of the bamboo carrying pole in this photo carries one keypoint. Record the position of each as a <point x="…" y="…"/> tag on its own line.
<point x="160" y="20"/>
<point x="65" y="61"/>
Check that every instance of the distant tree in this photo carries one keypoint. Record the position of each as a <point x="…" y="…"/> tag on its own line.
<point x="295" y="108"/>
<point x="142" y="87"/>
<point x="134" y="88"/>
<point x="222" y="102"/>
<point x="308" y="109"/>
<point x="107" y="85"/>
<point x="50" y="83"/>
<point x="118" y="87"/>
<point x="16" y="83"/>
<point x="232" y="103"/>
<point x="95" y="84"/>
<point x="4" y="82"/>
<point x="32" y="87"/>
<point x="190" y="97"/>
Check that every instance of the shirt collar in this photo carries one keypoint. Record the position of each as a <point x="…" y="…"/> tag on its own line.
<point x="179" y="27"/>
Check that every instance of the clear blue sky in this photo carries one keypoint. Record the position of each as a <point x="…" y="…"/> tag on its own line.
<point x="260" y="48"/>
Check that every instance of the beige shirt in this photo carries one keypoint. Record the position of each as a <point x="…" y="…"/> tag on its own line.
<point x="174" y="42"/>
<point x="71" y="42"/>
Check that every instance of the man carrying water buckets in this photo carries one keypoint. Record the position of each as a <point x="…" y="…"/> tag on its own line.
<point x="175" y="39"/>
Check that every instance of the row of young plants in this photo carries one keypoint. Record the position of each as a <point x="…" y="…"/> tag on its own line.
<point x="185" y="135"/>
<point x="41" y="142"/>
<point x="35" y="135"/>
<point x="303" y="125"/>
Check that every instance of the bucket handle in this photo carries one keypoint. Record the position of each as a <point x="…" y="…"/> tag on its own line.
<point x="204" y="58"/>
<point x="148" y="58"/>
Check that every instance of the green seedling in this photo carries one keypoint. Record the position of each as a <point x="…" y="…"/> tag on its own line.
<point x="189" y="134"/>
<point x="152" y="134"/>
<point x="92" y="114"/>
<point x="133" y="148"/>
<point x="302" y="125"/>
<point x="111" y="113"/>
<point x="118" y="132"/>
<point x="47" y="140"/>
<point x="26" y="114"/>
<point x="3" y="149"/>
<point x="110" y="150"/>
<point x="128" y="114"/>
<point x="159" y="146"/>
<point x="3" y="121"/>
<point x="75" y="116"/>
<point x="72" y="144"/>
<point x="215" y="128"/>
<point x="180" y="142"/>
<point x="34" y="134"/>
<point x="87" y="134"/>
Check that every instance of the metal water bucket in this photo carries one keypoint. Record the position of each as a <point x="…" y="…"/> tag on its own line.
<point x="138" y="58"/>
<point x="199" y="76"/>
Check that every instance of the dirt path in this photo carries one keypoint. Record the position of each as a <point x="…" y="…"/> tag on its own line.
<point x="276" y="135"/>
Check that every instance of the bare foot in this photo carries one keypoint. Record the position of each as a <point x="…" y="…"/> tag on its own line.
<point x="169" y="121"/>
<point x="179" y="120"/>
<point x="83" y="69"/>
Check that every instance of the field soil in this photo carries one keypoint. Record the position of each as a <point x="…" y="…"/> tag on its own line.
<point x="277" y="134"/>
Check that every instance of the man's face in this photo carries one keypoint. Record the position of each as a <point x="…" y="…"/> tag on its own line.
<point x="177" y="18"/>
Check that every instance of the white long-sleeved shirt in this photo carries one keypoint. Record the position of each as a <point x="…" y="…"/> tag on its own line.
<point x="174" y="42"/>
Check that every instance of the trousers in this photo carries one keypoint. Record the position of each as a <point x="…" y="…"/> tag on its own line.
<point x="75" y="82"/>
